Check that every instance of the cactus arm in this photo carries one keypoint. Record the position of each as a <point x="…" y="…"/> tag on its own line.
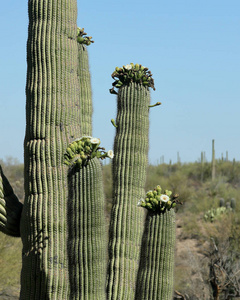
<point x="156" y="270"/>
<point x="88" y="246"/>
<point x="10" y="208"/>
<point x="52" y="120"/>
<point x="85" y="83"/>
<point x="129" y="176"/>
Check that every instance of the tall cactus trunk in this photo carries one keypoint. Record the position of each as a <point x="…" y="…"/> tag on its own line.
<point x="155" y="276"/>
<point x="53" y="120"/>
<point x="129" y="176"/>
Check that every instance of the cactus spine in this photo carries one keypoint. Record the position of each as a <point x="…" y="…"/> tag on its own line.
<point x="53" y="119"/>
<point x="87" y="239"/>
<point x="129" y="176"/>
<point x="84" y="82"/>
<point x="156" y="270"/>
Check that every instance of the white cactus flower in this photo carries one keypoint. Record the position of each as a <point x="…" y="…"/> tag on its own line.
<point x="140" y="201"/>
<point x="128" y="67"/>
<point x="164" y="198"/>
<point x="95" y="140"/>
<point x="110" y="154"/>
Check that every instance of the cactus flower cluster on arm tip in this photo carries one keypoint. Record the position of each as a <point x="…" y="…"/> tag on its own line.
<point x="80" y="151"/>
<point x="131" y="73"/>
<point x="159" y="200"/>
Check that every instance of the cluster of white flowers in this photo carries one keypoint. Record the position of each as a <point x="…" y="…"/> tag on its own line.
<point x="81" y="150"/>
<point x="158" y="201"/>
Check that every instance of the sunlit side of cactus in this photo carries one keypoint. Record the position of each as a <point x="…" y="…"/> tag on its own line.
<point x="52" y="122"/>
<point x="129" y="176"/>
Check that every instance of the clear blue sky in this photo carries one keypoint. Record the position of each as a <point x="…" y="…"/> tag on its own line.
<point x="192" y="48"/>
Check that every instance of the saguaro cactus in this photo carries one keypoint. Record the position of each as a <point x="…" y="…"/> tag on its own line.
<point x="62" y="223"/>
<point x="155" y="275"/>
<point x="85" y="95"/>
<point x="87" y="239"/>
<point x="129" y="176"/>
<point x="10" y="208"/>
<point x="53" y="120"/>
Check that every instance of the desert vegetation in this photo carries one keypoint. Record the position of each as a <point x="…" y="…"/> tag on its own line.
<point x="207" y="264"/>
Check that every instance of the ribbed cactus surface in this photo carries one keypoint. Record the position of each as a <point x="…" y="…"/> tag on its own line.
<point x="87" y="240"/>
<point x="10" y="208"/>
<point x="156" y="270"/>
<point x="129" y="176"/>
<point x="52" y="121"/>
<point x="85" y="95"/>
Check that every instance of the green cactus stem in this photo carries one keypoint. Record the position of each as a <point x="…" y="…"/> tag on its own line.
<point x="85" y="82"/>
<point x="52" y="122"/>
<point x="156" y="269"/>
<point x="87" y="239"/>
<point x="10" y="208"/>
<point x="129" y="176"/>
<point x="154" y="105"/>
<point x="113" y="123"/>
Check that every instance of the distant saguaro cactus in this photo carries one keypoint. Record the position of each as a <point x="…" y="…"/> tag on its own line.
<point x="221" y="202"/>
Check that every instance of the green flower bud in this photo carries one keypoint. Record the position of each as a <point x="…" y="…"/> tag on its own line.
<point x="79" y="162"/>
<point x="169" y="204"/>
<point x="159" y="190"/>
<point x="69" y="152"/>
<point x="150" y="194"/>
<point x="83" y="157"/>
<point x="168" y="193"/>
<point x="149" y="205"/>
<point x="137" y="67"/>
